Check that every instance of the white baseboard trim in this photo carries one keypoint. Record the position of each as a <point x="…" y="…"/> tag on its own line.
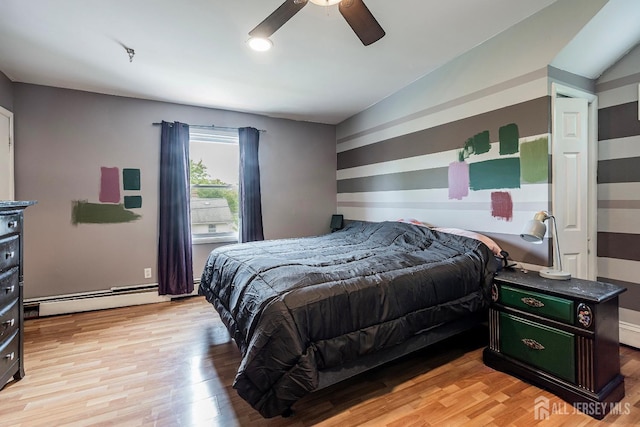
<point x="52" y="308"/>
<point x="76" y="303"/>
<point x="630" y="334"/>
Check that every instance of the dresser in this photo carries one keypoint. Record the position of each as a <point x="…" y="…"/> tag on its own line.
<point x="561" y="335"/>
<point x="11" y="306"/>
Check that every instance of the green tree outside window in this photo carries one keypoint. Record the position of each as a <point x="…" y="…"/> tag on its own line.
<point x="200" y="176"/>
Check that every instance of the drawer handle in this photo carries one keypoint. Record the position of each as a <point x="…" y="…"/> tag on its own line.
<point x="532" y="344"/>
<point x="10" y="356"/>
<point x="12" y="224"/>
<point x="9" y="323"/>
<point x="532" y="302"/>
<point x="9" y="255"/>
<point x="9" y="289"/>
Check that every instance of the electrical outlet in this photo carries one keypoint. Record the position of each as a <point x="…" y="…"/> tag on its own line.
<point x="147" y="273"/>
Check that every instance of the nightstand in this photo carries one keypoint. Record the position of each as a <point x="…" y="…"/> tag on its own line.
<point x="561" y="335"/>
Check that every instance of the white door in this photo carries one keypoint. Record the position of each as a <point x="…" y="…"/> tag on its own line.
<point x="6" y="154"/>
<point x="570" y="183"/>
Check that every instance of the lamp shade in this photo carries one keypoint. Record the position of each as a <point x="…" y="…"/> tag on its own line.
<point x="534" y="231"/>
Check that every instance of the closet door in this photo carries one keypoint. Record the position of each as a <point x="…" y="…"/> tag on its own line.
<point x="6" y="155"/>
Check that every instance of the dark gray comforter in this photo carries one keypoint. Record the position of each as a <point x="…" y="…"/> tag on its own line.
<point x="298" y="306"/>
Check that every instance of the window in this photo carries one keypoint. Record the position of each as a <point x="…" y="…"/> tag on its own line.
<point x="214" y="170"/>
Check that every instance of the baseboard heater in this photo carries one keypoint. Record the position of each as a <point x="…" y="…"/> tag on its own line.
<point x="117" y="296"/>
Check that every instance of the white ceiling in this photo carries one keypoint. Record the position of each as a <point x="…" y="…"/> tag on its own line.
<point x="193" y="51"/>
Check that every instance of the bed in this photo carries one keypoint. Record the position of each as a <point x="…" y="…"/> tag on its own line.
<point x="309" y="312"/>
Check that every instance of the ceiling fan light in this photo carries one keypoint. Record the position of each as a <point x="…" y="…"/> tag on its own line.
<point x="325" y="2"/>
<point x="260" y="44"/>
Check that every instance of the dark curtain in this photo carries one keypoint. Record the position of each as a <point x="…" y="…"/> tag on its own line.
<point x="175" y="270"/>
<point x="250" y="199"/>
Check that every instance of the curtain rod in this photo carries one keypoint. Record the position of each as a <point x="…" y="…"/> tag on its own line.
<point x="212" y="127"/>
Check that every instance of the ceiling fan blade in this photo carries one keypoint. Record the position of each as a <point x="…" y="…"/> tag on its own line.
<point x="362" y="22"/>
<point x="278" y="18"/>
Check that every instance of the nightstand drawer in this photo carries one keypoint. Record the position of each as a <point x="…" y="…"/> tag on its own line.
<point x="9" y="320"/>
<point x="9" y="353"/>
<point x="9" y="252"/>
<point x="536" y="303"/>
<point x="547" y="348"/>
<point x="10" y="224"/>
<point x="9" y="286"/>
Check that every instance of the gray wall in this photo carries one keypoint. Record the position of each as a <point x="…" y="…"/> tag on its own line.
<point x="63" y="137"/>
<point x="6" y="92"/>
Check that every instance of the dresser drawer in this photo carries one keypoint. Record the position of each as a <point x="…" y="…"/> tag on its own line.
<point x="9" y="286"/>
<point x="9" y="320"/>
<point x="9" y="353"/>
<point x="9" y="252"/>
<point x="10" y="224"/>
<point x="533" y="302"/>
<point x="547" y="348"/>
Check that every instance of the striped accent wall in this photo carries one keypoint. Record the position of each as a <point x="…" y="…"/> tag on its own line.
<point x="619" y="184"/>
<point x="487" y="173"/>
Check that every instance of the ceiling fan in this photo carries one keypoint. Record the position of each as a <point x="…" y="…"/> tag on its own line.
<point x="355" y="12"/>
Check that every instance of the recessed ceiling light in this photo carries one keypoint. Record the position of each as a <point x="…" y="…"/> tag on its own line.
<point x="260" y="44"/>
<point x="325" y="2"/>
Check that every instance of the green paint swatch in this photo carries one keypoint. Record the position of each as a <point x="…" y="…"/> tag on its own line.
<point x="534" y="160"/>
<point x="481" y="142"/>
<point x="131" y="179"/>
<point x="132" y="202"/>
<point x="509" y="137"/>
<point x="495" y="174"/>
<point x="84" y="212"/>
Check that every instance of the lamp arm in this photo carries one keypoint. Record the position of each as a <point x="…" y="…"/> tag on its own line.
<point x="558" y="255"/>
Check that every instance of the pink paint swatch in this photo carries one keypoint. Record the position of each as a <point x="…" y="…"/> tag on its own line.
<point x="502" y="205"/>
<point x="458" y="180"/>
<point x="109" y="185"/>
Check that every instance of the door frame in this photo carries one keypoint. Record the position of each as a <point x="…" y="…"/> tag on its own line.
<point x="557" y="90"/>
<point x="9" y="115"/>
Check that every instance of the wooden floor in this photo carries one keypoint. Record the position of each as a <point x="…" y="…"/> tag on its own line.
<point x="172" y="364"/>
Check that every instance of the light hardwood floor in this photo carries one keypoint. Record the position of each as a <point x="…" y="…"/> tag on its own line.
<point x="172" y="364"/>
